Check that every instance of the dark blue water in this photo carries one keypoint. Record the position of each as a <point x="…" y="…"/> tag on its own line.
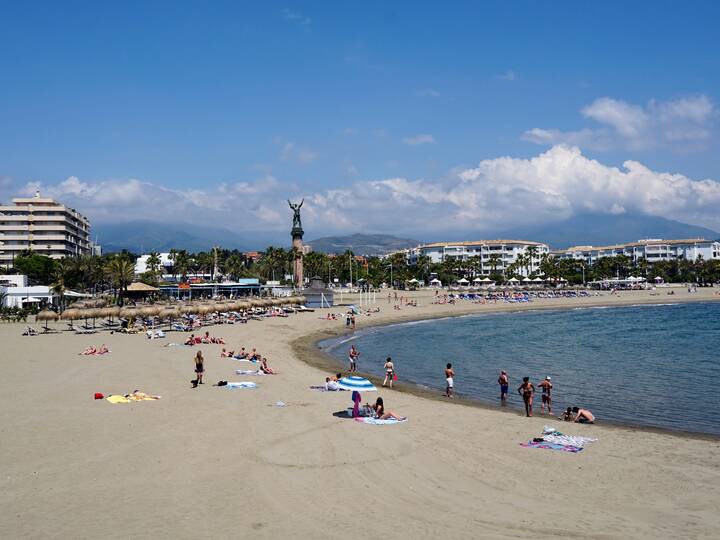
<point x="647" y="365"/>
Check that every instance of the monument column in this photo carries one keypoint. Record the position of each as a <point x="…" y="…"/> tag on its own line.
<point x="297" y="244"/>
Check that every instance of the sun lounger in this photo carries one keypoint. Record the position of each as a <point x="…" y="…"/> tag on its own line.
<point x="80" y="330"/>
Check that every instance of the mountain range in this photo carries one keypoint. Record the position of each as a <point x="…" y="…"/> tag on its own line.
<point x="589" y="229"/>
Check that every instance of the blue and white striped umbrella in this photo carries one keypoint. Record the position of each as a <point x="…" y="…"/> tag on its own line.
<point x="356" y="383"/>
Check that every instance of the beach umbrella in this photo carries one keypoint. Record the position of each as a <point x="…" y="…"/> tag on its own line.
<point x="46" y="315"/>
<point x="113" y="311"/>
<point x="128" y="312"/>
<point x="70" y="314"/>
<point x="170" y="313"/>
<point x="92" y="313"/>
<point x="356" y="383"/>
<point x="149" y="311"/>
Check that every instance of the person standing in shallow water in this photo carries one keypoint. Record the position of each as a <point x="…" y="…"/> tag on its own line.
<point x="389" y="372"/>
<point x="504" y="383"/>
<point x="546" y="387"/>
<point x="449" y="378"/>
<point x="527" y="391"/>
<point x="353" y="356"/>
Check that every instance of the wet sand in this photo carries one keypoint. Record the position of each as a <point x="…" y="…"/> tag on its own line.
<point x="212" y="462"/>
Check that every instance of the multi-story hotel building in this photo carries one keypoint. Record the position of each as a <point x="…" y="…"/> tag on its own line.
<point x="43" y="226"/>
<point x="652" y="250"/>
<point x="494" y="255"/>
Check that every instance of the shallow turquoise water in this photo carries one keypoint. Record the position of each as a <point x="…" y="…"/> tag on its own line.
<point x="647" y="365"/>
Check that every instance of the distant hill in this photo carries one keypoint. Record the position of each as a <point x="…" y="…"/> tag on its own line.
<point x="143" y="236"/>
<point x="603" y="229"/>
<point x="362" y="244"/>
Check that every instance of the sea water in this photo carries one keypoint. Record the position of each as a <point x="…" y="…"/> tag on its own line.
<point x="650" y="365"/>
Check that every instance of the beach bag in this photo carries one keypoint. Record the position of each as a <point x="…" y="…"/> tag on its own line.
<point x="394" y="376"/>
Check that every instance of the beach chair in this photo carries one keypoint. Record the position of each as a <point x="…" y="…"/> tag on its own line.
<point x="80" y="330"/>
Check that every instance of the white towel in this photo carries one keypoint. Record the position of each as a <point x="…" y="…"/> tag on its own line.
<point x="241" y="385"/>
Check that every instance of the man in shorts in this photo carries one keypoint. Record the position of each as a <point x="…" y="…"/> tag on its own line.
<point x="504" y="384"/>
<point x="546" y="387"/>
<point x="353" y="356"/>
<point x="449" y="375"/>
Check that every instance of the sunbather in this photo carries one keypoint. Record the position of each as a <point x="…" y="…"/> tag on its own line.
<point x="89" y="351"/>
<point x="267" y="370"/>
<point x="331" y="385"/>
<point x="137" y="395"/>
<point x="227" y="354"/>
<point x="382" y="414"/>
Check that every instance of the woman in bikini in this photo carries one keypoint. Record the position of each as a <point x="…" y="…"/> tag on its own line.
<point x="389" y="372"/>
<point x="527" y="391"/>
<point x="382" y="414"/>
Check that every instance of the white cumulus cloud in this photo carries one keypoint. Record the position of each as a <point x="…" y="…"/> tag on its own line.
<point x="499" y="193"/>
<point x="683" y="124"/>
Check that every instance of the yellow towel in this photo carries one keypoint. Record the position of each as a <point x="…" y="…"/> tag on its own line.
<point x="117" y="399"/>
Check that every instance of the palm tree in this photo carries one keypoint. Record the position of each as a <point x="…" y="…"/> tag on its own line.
<point x="531" y="252"/>
<point x="153" y="262"/>
<point x="494" y="262"/>
<point x="62" y="270"/>
<point x="234" y="266"/>
<point x="183" y="263"/>
<point x="121" y="272"/>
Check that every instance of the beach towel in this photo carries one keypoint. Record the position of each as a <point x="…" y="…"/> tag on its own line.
<point x="552" y="439"/>
<point x="235" y="385"/>
<point x="244" y="360"/>
<point x="248" y="372"/>
<point x="551" y="446"/>
<point x="117" y="399"/>
<point x="379" y="421"/>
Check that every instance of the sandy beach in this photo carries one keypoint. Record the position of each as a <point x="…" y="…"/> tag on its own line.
<point x="216" y="463"/>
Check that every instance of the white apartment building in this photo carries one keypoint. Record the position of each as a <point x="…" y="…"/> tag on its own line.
<point x="653" y="250"/>
<point x="44" y="226"/>
<point x="495" y="255"/>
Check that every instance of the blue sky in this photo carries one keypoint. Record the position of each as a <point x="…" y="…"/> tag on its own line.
<point x="215" y="107"/>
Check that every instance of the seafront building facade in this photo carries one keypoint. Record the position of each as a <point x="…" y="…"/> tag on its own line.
<point x="44" y="226"/>
<point x="493" y="255"/>
<point x="652" y="250"/>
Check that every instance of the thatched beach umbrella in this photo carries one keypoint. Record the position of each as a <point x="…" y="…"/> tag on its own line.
<point x="149" y="311"/>
<point x="92" y="313"/>
<point x="46" y="315"/>
<point x="170" y="313"/>
<point x="70" y="314"/>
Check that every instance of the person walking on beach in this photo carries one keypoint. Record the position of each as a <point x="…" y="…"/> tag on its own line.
<point x="389" y="372"/>
<point x="504" y="384"/>
<point x="527" y="391"/>
<point x="546" y="387"/>
<point x="199" y="369"/>
<point x="449" y="375"/>
<point x="353" y="356"/>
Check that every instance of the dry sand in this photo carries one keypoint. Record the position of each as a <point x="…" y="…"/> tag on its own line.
<point x="217" y="463"/>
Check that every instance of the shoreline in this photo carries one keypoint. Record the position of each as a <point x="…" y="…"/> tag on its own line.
<point x="307" y="349"/>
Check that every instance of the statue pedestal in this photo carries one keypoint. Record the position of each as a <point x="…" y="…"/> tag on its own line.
<point x="297" y="244"/>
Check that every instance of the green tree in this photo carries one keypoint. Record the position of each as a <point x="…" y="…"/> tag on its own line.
<point x="38" y="268"/>
<point x="121" y="272"/>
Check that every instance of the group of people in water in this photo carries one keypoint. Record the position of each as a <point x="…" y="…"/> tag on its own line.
<point x="527" y="392"/>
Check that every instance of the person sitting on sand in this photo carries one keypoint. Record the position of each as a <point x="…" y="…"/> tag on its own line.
<point x="382" y="414"/>
<point x="254" y="355"/>
<point x="227" y="354"/>
<point x="242" y="355"/>
<point x="583" y="416"/>
<point x="206" y="338"/>
<point x="337" y="377"/>
<point x="191" y="340"/>
<point x="267" y="370"/>
<point x="103" y="349"/>
<point x="567" y="416"/>
<point x="331" y="385"/>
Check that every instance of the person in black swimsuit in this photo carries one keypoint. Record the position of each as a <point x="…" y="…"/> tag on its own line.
<point x="527" y="391"/>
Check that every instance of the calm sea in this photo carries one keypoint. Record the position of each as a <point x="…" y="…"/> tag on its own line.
<point x="646" y="365"/>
